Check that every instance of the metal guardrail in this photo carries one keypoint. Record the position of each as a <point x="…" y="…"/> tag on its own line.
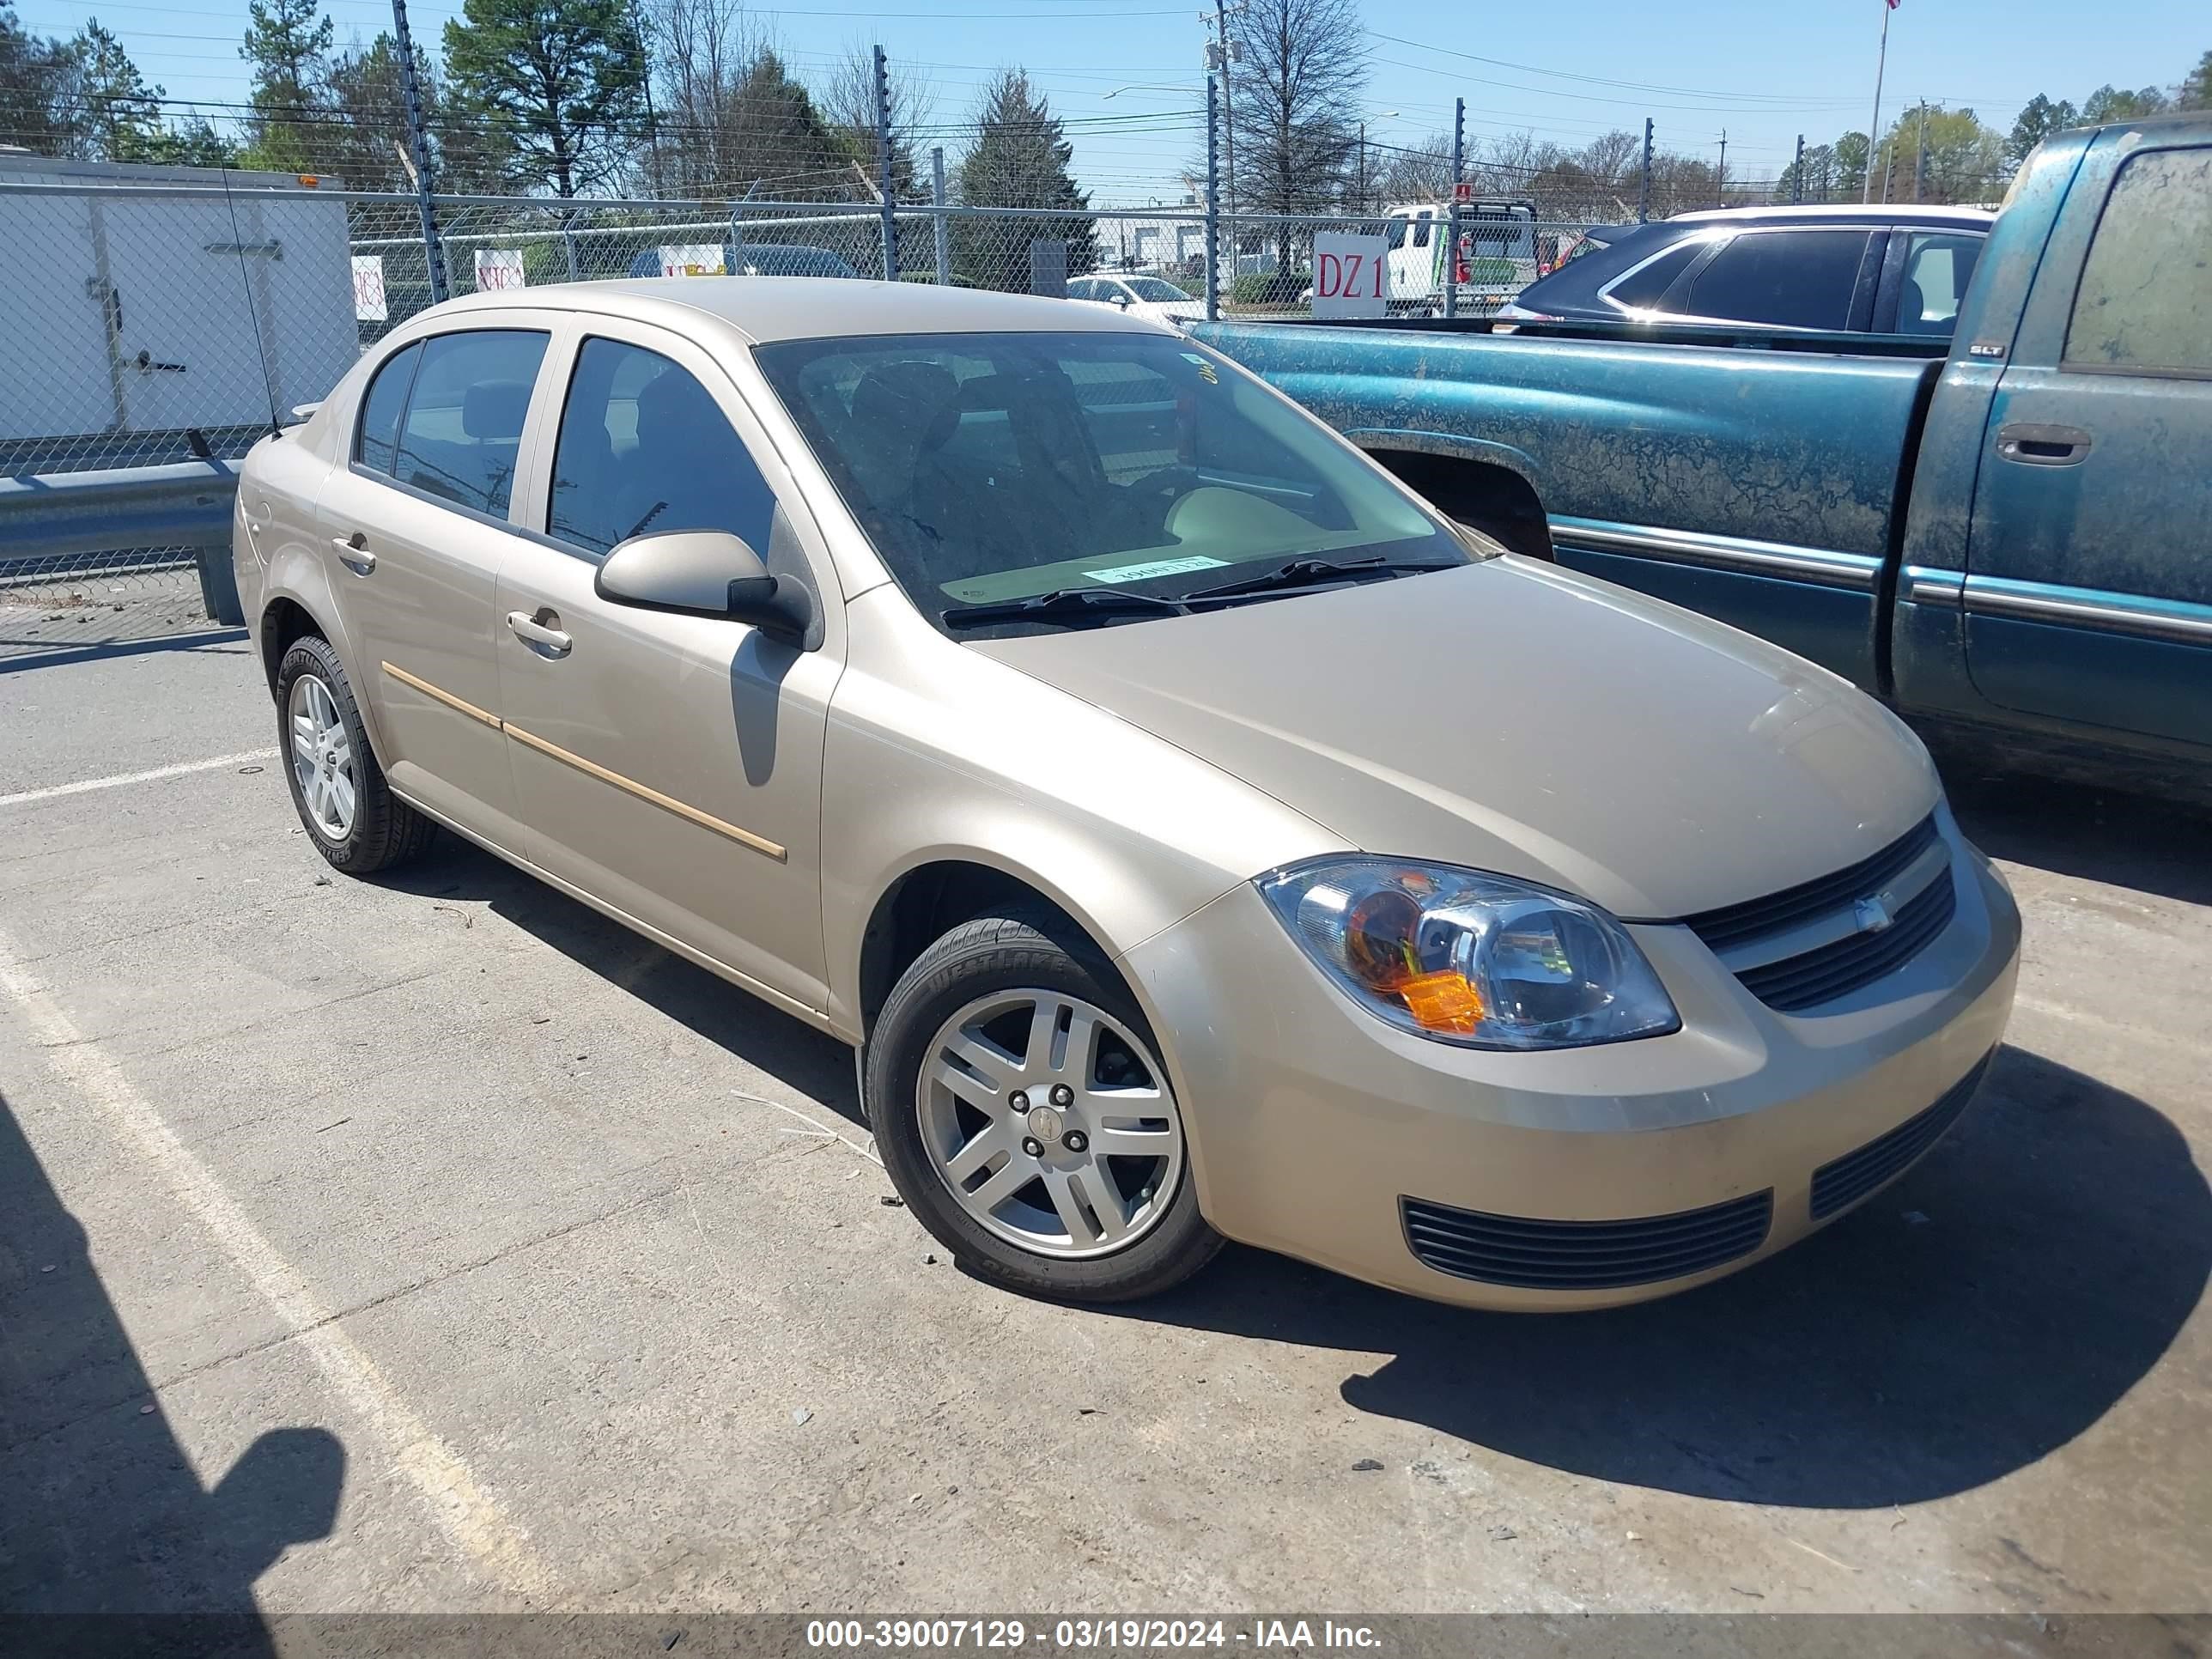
<point x="67" y="515"/>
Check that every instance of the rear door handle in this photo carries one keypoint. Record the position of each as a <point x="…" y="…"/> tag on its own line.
<point x="351" y="554"/>
<point x="551" y="640"/>
<point x="2034" y="444"/>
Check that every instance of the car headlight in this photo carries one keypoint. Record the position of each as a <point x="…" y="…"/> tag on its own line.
<point x="1471" y="958"/>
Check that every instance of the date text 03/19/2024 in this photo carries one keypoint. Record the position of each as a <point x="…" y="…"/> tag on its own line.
<point x="1086" y="1635"/>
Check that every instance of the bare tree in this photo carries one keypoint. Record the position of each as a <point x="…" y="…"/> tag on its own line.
<point x="1295" y="102"/>
<point x="706" y="48"/>
<point x="1413" y="172"/>
<point x="847" y="99"/>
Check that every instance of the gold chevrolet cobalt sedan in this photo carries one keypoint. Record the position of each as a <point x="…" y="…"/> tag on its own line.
<point x="1194" y="834"/>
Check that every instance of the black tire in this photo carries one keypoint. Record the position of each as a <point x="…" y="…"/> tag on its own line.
<point x="1018" y="949"/>
<point x="385" y="831"/>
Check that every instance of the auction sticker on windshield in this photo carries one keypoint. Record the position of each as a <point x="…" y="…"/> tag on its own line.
<point x="1144" y="572"/>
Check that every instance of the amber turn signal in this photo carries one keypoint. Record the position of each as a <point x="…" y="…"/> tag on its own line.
<point x="1442" y="1002"/>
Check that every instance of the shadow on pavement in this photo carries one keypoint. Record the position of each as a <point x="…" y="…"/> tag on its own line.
<point x="2094" y="832"/>
<point x="100" y="1511"/>
<point x="1964" y="1322"/>
<point x="788" y="1049"/>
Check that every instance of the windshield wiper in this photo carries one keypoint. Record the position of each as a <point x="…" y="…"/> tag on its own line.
<point x="1310" y="573"/>
<point x="1065" y="605"/>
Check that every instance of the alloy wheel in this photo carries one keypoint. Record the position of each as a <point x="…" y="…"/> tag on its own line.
<point x="322" y="758"/>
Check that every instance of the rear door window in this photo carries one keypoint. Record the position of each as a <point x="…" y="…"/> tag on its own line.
<point x="463" y="426"/>
<point x="1784" y="278"/>
<point x="2141" y="304"/>
<point x="1644" y="288"/>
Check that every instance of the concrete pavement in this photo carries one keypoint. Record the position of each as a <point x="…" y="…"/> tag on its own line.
<point x="435" y="1244"/>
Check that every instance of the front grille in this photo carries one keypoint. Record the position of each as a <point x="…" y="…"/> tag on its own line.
<point x="1795" y="983"/>
<point x="1737" y="924"/>
<point x="1843" y="965"/>
<point x="1842" y="1183"/>
<point x="1583" y="1256"/>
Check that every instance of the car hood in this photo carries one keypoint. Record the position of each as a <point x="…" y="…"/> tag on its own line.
<point x="1513" y="718"/>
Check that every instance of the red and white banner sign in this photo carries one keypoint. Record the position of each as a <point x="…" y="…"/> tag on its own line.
<point x="499" y="267"/>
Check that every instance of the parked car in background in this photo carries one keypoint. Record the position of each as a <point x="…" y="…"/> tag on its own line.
<point x="759" y="259"/>
<point x="1880" y="270"/>
<point x="2003" y="530"/>
<point x="1197" y="834"/>
<point x="1153" y="298"/>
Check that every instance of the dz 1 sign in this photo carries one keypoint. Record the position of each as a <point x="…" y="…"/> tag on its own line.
<point x="1351" y="276"/>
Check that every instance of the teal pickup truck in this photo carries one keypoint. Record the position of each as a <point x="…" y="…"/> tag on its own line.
<point x="2015" y="534"/>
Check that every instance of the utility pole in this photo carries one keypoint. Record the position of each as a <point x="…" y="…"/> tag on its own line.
<point x="1451" y="214"/>
<point x="1644" y="191"/>
<point x="1720" y="184"/>
<point x="1920" y="156"/>
<point x="652" y="120"/>
<point x="1363" y="167"/>
<point x="1214" y="199"/>
<point x="1797" y="174"/>
<point x="1873" y="127"/>
<point x="884" y="165"/>
<point x="411" y="93"/>
<point x="1219" y="57"/>
<point x="943" y="226"/>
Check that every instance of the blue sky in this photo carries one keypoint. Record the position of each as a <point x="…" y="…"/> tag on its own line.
<point x="1763" y="71"/>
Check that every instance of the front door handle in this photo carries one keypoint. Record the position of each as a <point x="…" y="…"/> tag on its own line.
<point x="2034" y="444"/>
<point x="353" y="554"/>
<point x="549" y="641"/>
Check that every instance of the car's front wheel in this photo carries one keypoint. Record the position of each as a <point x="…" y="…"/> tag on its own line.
<point x="351" y="813"/>
<point x="1023" y="1112"/>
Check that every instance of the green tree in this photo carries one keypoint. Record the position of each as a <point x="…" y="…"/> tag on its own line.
<point x="2109" y="103"/>
<point x="2196" y="90"/>
<point x="192" y="143"/>
<point x="1851" y="155"/>
<point x="2037" y="122"/>
<point x="1813" y="179"/>
<point x="1018" y="157"/>
<point x="113" y="114"/>
<point x="288" y="43"/>
<point x="1964" y="163"/>
<point x="563" y="81"/>
<point x="33" y="80"/>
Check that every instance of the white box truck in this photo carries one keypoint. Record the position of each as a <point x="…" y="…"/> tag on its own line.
<point x="145" y="301"/>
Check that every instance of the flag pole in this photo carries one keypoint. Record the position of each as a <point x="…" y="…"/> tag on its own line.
<point x="1873" y="127"/>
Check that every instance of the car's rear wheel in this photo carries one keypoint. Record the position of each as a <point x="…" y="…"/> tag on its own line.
<point x="1025" y="1115"/>
<point x="351" y="813"/>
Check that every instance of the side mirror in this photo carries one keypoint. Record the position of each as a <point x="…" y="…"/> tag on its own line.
<point x="1123" y="300"/>
<point x="705" y="573"/>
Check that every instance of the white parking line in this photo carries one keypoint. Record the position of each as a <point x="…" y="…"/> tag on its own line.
<point x="121" y="778"/>
<point x="489" y="1538"/>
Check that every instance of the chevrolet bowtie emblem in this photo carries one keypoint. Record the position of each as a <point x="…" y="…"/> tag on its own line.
<point x="1873" y="914"/>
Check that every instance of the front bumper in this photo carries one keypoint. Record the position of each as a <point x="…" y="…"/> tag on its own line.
<point x="1311" y="1120"/>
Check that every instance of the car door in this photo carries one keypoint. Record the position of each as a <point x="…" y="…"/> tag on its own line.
<point x="416" y="525"/>
<point x="2089" y="587"/>
<point x="669" y="766"/>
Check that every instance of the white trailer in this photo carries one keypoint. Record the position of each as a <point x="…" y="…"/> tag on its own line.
<point x="144" y="301"/>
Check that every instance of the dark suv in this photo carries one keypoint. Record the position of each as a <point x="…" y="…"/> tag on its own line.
<point x="1880" y="270"/>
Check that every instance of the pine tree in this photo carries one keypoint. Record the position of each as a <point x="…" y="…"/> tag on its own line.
<point x="115" y="115"/>
<point x="288" y="43"/>
<point x="33" y="75"/>
<point x="2037" y="121"/>
<point x="1019" y="157"/>
<point x="563" y="81"/>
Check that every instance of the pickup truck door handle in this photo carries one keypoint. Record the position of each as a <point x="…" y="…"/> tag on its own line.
<point x="549" y="641"/>
<point x="2034" y="444"/>
<point x="353" y="554"/>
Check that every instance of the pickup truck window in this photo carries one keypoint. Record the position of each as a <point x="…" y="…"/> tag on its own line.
<point x="2140" y="307"/>
<point x="1786" y="278"/>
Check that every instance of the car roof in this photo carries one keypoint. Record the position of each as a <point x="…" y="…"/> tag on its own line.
<point x="768" y="308"/>
<point x="1870" y="212"/>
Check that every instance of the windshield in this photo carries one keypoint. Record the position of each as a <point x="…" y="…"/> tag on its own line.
<point x="1151" y="287"/>
<point x="995" y="467"/>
